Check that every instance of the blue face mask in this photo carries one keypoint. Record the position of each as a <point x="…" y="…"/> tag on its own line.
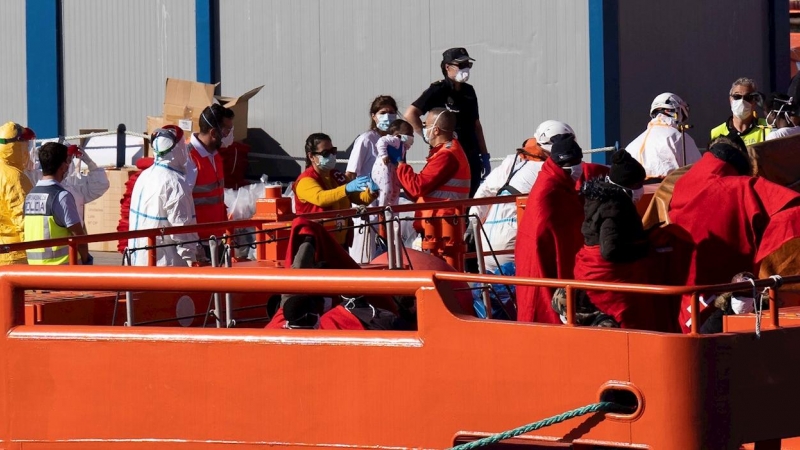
<point x="327" y="162"/>
<point x="384" y="120"/>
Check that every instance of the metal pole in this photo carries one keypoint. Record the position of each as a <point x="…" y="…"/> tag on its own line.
<point x="773" y="307"/>
<point x="212" y="245"/>
<point x="570" y="305"/>
<point x="396" y="224"/>
<point x="129" y="308"/>
<point x="228" y="295"/>
<point x="121" y="145"/>
<point x="476" y="230"/>
<point x="390" y="239"/>
<point x="695" y="314"/>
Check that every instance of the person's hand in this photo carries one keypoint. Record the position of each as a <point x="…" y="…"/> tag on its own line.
<point x="89" y="261"/>
<point x="395" y="154"/>
<point x="469" y="236"/>
<point x="487" y="165"/>
<point x="373" y="186"/>
<point x="358" y="185"/>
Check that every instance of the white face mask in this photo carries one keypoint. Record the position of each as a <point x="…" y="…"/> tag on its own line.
<point x="462" y="76"/>
<point x="575" y="171"/>
<point x="742" y="305"/>
<point x="741" y="109"/>
<point x="384" y="120"/>
<point x="636" y="194"/>
<point x="228" y="140"/>
<point x="407" y="140"/>
<point x="327" y="162"/>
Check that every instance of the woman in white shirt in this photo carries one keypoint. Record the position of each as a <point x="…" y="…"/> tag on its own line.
<point x="382" y="112"/>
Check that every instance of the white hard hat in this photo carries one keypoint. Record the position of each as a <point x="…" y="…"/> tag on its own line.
<point x="546" y="130"/>
<point x="671" y="102"/>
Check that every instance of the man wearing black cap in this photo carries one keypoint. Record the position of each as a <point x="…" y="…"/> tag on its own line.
<point x="456" y="95"/>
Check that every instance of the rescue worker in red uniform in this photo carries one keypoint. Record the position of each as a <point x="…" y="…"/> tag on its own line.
<point x="549" y="235"/>
<point x="205" y="173"/>
<point x="446" y="175"/>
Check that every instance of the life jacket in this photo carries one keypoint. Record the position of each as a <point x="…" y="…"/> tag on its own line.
<point x="208" y="192"/>
<point x="40" y="224"/>
<point x="457" y="188"/>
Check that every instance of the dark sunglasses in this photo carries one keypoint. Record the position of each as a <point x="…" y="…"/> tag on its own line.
<point x="749" y="98"/>
<point x="462" y="65"/>
<point x="329" y="152"/>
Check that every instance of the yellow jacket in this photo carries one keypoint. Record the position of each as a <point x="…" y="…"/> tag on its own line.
<point x="14" y="186"/>
<point x="330" y="196"/>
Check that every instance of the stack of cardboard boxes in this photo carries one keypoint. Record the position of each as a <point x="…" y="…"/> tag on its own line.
<point x="184" y="101"/>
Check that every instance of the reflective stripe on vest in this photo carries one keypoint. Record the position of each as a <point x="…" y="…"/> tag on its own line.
<point x="40" y="224"/>
<point x="208" y="193"/>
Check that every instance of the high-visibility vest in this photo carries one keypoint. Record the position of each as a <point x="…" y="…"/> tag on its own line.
<point x="457" y="188"/>
<point x="757" y="133"/>
<point x="41" y="224"/>
<point x="208" y="192"/>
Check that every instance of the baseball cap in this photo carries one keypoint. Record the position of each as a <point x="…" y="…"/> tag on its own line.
<point x="456" y="55"/>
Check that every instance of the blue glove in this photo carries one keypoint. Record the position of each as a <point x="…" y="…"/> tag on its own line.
<point x="373" y="186"/>
<point x="359" y="184"/>
<point x="487" y="165"/>
<point x="395" y="154"/>
<point x="89" y="261"/>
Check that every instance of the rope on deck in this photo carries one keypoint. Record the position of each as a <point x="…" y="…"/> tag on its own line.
<point x="495" y="438"/>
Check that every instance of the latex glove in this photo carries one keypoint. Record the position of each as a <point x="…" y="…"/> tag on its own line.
<point x="487" y="165"/>
<point x="469" y="236"/>
<point x="358" y="185"/>
<point x="395" y="154"/>
<point x="373" y="186"/>
<point x="89" y="261"/>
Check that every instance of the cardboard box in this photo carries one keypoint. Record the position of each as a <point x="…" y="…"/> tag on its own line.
<point x="103" y="214"/>
<point x="189" y="98"/>
<point x="183" y="98"/>
<point x="239" y="105"/>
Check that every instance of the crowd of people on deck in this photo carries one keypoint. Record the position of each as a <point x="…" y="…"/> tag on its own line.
<point x="580" y="221"/>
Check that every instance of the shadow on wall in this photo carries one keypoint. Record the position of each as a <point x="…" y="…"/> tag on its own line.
<point x="261" y="145"/>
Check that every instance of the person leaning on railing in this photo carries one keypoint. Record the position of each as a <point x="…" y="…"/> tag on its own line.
<point x="323" y="188"/>
<point x="50" y="211"/>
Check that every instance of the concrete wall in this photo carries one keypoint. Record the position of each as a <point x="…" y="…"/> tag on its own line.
<point x="694" y="49"/>
<point x="13" y="88"/>
<point x="324" y="61"/>
<point x="117" y="56"/>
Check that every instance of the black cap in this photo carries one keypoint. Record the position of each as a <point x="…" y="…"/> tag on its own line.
<point x="565" y="149"/>
<point x="456" y="55"/>
<point x="626" y="171"/>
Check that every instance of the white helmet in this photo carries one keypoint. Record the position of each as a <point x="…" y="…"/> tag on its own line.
<point x="670" y="102"/>
<point x="546" y="130"/>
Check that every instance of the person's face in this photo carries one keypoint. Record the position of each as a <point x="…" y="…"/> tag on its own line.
<point x="62" y="171"/>
<point x="453" y="68"/>
<point x="325" y="151"/>
<point x="216" y="137"/>
<point x="383" y="110"/>
<point x="431" y="128"/>
<point x="746" y="93"/>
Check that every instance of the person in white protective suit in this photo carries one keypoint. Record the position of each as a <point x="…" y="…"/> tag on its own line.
<point x="85" y="188"/>
<point x="161" y="197"/>
<point x="515" y="175"/>
<point x="660" y="148"/>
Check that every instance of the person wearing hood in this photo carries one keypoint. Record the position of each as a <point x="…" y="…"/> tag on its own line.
<point x="515" y="175"/>
<point x="663" y="147"/>
<point x="615" y="244"/>
<point x="783" y="116"/>
<point x="14" y="186"/>
<point x="162" y="198"/>
<point x="549" y="234"/>
<point x="744" y="122"/>
<point x="457" y="96"/>
<point x="728" y="214"/>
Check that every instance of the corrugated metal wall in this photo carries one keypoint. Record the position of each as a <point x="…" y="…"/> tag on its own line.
<point x="694" y="49"/>
<point x="13" y="93"/>
<point x="324" y="61"/>
<point x="117" y="56"/>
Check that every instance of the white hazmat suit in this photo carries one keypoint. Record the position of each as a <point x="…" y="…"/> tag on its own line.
<point x="161" y="197"/>
<point x="659" y="149"/>
<point x="500" y="220"/>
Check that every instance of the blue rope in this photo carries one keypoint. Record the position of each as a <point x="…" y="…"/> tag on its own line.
<point x="495" y="438"/>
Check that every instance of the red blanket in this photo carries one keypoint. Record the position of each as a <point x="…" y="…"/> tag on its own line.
<point x="629" y="310"/>
<point x="727" y="216"/>
<point x="549" y="237"/>
<point x="339" y="318"/>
